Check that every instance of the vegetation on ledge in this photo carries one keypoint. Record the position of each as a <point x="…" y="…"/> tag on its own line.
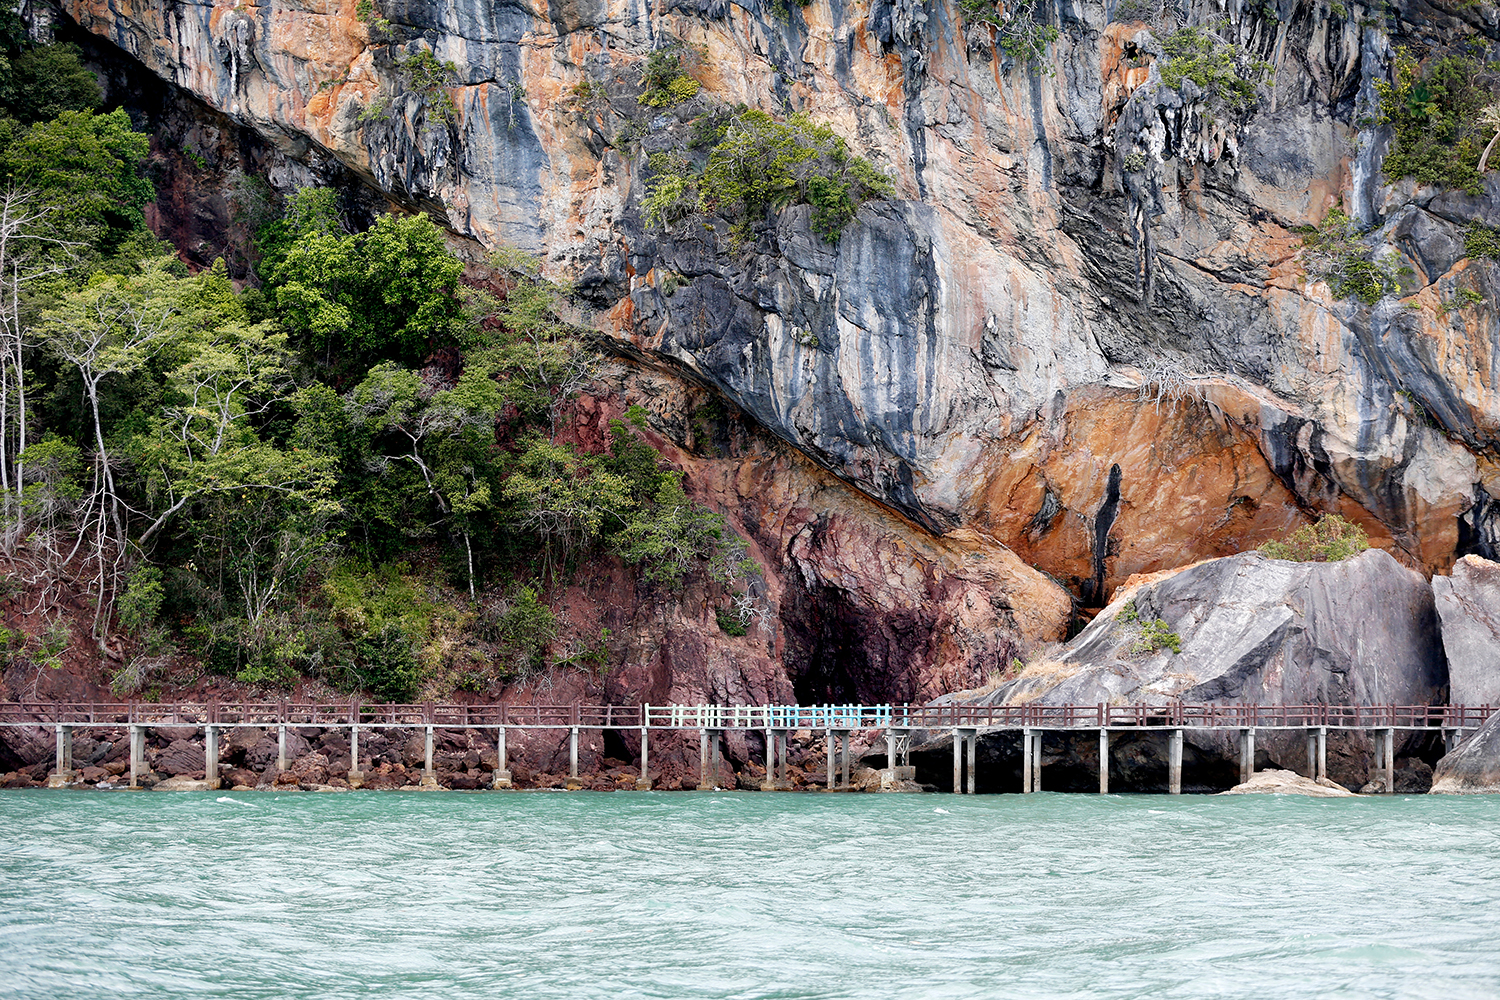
<point x="1330" y="539"/>
<point x="759" y="165"/>
<point x="1437" y="115"/>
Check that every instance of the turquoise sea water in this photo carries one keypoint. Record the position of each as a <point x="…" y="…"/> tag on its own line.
<point x="538" y="895"/>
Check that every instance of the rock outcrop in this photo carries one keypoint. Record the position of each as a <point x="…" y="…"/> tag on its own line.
<point x="1474" y="766"/>
<point x="1468" y="602"/>
<point x="1254" y="630"/>
<point x="1251" y="630"/>
<point x="1277" y="782"/>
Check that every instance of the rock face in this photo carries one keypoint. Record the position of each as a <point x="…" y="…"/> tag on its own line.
<point x="1474" y="767"/>
<point x="1255" y="630"/>
<point x="1252" y="630"/>
<point x="1289" y="783"/>
<point x="1069" y="240"/>
<point x="1468" y="602"/>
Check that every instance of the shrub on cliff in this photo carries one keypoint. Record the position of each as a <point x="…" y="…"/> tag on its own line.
<point x="762" y="165"/>
<point x="1437" y="115"/>
<point x="666" y="82"/>
<point x="1224" y="71"/>
<point x="1338" y="253"/>
<point x="1018" y="33"/>
<point x="1330" y="539"/>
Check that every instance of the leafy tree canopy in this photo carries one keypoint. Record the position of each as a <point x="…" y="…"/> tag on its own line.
<point x="89" y="166"/>
<point x="385" y="294"/>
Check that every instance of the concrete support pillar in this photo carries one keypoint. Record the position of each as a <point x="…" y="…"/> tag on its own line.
<point x="137" y="754"/>
<point x="846" y="765"/>
<point x="1247" y="755"/>
<point x="781" y="756"/>
<point x="717" y="743"/>
<point x="355" y="774"/>
<point x="973" y="741"/>
<point x="705" y="778"/>
<point x="501" y="777"/>
<point x="890" y="748"/>
<point x="1322" y="751"/>
<point x="281" y="748"/>
<point x="1036" y="760"/>
<point x="958" y="762"/>
<point x="1026" y="769"/>
<point x="643" y="781"/>
<point x="211" y="756"/>
<point x="1312" y="754"/>
<point x="1174" y="762"/>
<point x="65" y="750"/>
<point x="427" y="753"/>
<point x="829" y="742"/>
<point x="62" y="775"/>
<point x="573" y="752"/>
<point x="1104" y="762"/>
<point x="1388" y="738"/>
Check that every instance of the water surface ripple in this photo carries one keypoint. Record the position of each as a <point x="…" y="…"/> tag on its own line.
<point x="708" y="895"/>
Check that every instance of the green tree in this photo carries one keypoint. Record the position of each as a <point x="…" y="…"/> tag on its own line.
<point x="446" y="436"/>
<point x="385" y="294"/>
<point x="43" y="82"/>
<point x="671" y="534"/>
<point x="564" y="497"/>
<point x="89" y="166"/>
<point x="108" y="330"/>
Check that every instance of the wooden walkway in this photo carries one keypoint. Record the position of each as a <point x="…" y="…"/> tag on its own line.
<point x="838" y="722"/>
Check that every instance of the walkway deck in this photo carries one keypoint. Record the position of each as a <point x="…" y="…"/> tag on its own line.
<point x="838" y="722"/>
<point x="754" y="717"/>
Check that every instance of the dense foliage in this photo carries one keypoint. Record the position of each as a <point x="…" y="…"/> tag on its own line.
<point x="355" y="473"/>
<point x="759" y="165"/>
<point x="1437" y="115"/>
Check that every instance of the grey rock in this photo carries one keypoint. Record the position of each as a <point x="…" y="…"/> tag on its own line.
<point x="1474" y="767"/>
<point x="1468" y="602"/>
<point x="1255" y="630"/>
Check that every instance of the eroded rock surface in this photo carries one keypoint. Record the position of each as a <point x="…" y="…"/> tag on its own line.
<point x="1468" y="601"/>
<point x="1080" y="326"/>
<point x="1474" y="766"/>
<point x="1254" y="630"/>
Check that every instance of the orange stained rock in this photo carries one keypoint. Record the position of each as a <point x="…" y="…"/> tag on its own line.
<point x="1192" y="483"/>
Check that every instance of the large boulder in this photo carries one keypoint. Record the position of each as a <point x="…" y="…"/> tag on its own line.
<point x="1277" y="782"/>
<point x="181" y="756"/>
<point x="1474" y="767"/>
<point x="1254" y="630"/>
<point x="1248" y="630"/>
<point x="1468" y="603"/>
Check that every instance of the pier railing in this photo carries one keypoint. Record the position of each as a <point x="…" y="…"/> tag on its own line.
<point x="718" y="717"/>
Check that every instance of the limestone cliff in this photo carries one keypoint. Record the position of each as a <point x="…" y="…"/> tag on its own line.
<point x="1080" y="327"/>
